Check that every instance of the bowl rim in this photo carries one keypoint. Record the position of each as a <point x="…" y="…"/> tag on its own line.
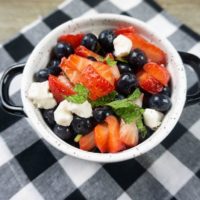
<point x="140" y="149"/>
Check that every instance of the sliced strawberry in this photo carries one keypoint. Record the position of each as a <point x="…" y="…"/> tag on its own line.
<point x="70" y="68"/>
<point x="159" y="72"/>
<point x="114" y="142"/>
<point x="122" y="30"/>
<point x="74" y="64"/>
<point x="101" y="137"/>
<point x="60" y="87"/>
<point x="149" y="83"/>
<point x="154" y="53"/>
<point x="129" y="134"/>
<point x="87" y="142"/>
<point x="114" y="69"/>
<point x="84" y="52"/>
<point x="96" y="84"/>
<point x="115" y="72"/>
<point x="105" y="71"/>
<point x="73" y="40"/>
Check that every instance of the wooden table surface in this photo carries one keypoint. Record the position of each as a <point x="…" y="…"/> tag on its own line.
<point x="15" y="14"/>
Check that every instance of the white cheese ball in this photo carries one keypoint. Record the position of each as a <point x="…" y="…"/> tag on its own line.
<point x="41" y="96"/>
<point x="62" y="115"/>
<point x="122" y="46"/>
<point x="152" y="118"/>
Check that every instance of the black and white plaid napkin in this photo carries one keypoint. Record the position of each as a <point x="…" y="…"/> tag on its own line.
<point x="30" y="169"/>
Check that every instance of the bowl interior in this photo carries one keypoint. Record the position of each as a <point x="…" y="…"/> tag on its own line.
<point x="40" y="58"/>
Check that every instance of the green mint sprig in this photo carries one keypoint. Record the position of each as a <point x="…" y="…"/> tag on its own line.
<point x="80" y="96"/>
<point x="129" y="112"/>
<point x="104" y="100"/>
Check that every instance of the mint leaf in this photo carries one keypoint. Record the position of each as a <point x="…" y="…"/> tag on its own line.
<point x="126" y="109"/>
<point x="142" y="129"/>
<point x="111" y="62"/>
<point x="135" y="95"/>
<point x="104" y="100"/>
<point x="130" y="114"/>
<point x="80" y="96"/>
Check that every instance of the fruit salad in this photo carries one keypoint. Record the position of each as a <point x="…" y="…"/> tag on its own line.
<point x="103" y="93"/>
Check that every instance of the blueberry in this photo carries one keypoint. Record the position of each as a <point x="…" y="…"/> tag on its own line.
<point x="42" y="75"/>
<point x="137" y="58"/>
<point x="124" y="67"/>
<point x="167" y="91"/>
<point x="160" y="102"/>
<point x="90" y="41"/>
<point x="82" y="125"/>
<point x="126" y="84"/>
<point x="91" y="58"/>
<point x="100" y="113"/>
<point x="54" y="63"/>
<point x="55" y="70"/>
<point x="63" y="50"/>
<point x="106" y="38"/>
<point x="54" y="67"/>
<point x="48" y="116"/>
<point x="63" y="132"/>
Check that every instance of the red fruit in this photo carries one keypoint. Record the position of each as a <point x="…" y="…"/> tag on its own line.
<point x="114" y="69"/>
<point x="60" y="87"/>
<point x="154" y="53"/>
<point x="159" y="72"/>
<point x="73" y="40"/>
<point x="84" y="52"/>
<point x="115" y="72"/>
<point x="148" y="82"/>
<point x="101" y="137"/>
<point x="74" y="64"/>
<point x="87" y="142"/>
<point x="96" y="84"/>
<point x="129" y="134"/>
<point x="114" y="142"/>
<point x="70" y="66"/>
<point x="129" y="29"/>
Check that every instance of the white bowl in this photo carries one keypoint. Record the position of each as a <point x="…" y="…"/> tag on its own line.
<point x="41" y="55"/>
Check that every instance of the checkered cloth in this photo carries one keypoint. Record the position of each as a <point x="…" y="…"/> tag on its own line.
<point x="30" y="169"/>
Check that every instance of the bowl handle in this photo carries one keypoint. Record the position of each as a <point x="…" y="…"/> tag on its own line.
<point x="6" y="79"/>
<point x="194" y="62"/>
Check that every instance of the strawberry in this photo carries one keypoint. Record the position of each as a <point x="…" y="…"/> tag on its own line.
<point x="148" y="82"/>
<point x="73" y="40"/>
<point x="154" y="53"/>
<point x="101" y="137"/>
<point x="129" y="134"/>
<point x="87" y="142"/>
<point x="74" y="64"/>
<point x="96" y="84"/>
<point x="109" y="59"/>
<point x="60" y="87"/>
<point x="114" y="142"/>
<point x="70" y="67"/>
<point x="159" y="72"/>
<point x="84" y="52"/>
<point x="129" y="29"/>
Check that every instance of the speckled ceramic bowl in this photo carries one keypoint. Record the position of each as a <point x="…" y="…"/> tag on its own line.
<point x="41" y="55"/>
